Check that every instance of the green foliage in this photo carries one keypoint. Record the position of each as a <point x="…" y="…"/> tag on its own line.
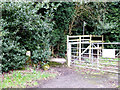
<point x="13" y="55"/>
<point x="113" y="17"/>
<point x="42" y="28"/>
<point x="25" y="28"/>
<point x="101" y="18"/>
<point x="62" y="18"/>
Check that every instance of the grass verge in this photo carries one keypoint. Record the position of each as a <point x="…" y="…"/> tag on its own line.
<point x="24" y="78"/>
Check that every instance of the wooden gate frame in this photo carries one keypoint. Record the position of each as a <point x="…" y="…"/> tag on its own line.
<point x="81" y="39"/>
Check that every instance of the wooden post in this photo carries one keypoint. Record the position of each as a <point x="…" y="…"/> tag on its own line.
<point x="29" y="62"/>
<point x="69" y="54"/>
<point x="80" y="49"/>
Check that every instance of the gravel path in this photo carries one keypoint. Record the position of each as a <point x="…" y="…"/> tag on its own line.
<point x="69" y="78"/>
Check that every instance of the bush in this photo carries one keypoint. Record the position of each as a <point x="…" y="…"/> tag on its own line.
<point x="13" y="56"/>
<point x="24" y="28"/>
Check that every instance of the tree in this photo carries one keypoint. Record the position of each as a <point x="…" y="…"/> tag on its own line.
<point x="62" y="18"/>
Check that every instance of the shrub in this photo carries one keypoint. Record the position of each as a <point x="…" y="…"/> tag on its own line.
<point x="25" y="28"/>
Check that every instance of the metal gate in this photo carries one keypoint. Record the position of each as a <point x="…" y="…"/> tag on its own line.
<point x="94" y="55"/>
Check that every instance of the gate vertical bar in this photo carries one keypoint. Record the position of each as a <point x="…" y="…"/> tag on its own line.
<point x="69" y="54"/>
<point x="90" y="48"/>
<point x="98" y="55"/>
<point x="80" y="49"/>
<point x="67" y="42"/>
<point x="67" y="47"/>
<point x="92" y="54"/>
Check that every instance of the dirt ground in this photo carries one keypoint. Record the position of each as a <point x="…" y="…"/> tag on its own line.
<point x="72" y="78"/>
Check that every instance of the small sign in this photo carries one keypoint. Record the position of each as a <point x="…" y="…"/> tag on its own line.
<point x="108" y="53"/>
<point x="28" y="53"/>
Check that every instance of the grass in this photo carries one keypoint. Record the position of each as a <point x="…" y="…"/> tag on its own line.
<point x="106" y="60"/>
<point x="23" y="79"/>
<point x="88" y="71"/>
<point x="55" y="64"/>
